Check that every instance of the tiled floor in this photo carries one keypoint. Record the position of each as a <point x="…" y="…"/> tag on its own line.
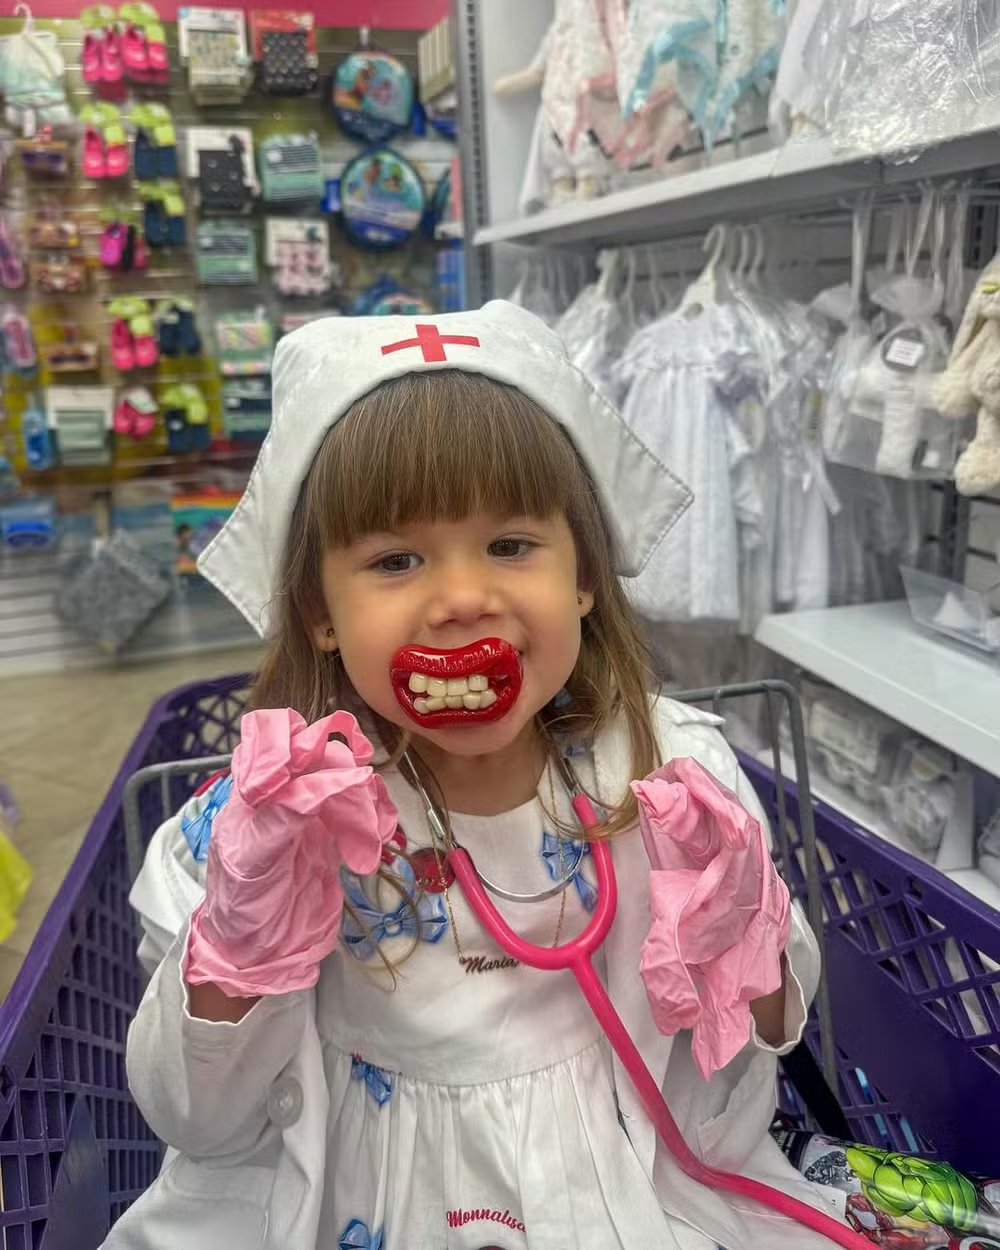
<point x="62" y="738"/>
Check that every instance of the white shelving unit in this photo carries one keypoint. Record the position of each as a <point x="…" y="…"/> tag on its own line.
<point x="701" y="189"/>
<point x="878" y="655"/>
<point x="946" y="693"/>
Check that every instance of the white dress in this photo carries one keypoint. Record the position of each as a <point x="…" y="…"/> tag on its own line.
<point x="472" y="1110"/>
<point x="677" y="371"/>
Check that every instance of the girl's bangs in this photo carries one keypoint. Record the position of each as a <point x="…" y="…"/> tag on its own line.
<point x="439" y="447"/>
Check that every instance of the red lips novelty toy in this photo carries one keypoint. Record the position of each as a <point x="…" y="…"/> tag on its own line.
<point x="470" y="685"/>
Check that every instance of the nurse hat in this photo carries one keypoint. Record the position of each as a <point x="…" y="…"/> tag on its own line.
<point x="323" y="368"/>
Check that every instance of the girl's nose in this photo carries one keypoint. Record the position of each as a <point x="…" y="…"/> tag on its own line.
<point x="462" y="594"/>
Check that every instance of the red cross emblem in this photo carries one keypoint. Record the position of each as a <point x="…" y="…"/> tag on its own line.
<point x="432" y="343"/>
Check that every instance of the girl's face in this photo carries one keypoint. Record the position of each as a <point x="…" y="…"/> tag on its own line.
<point x="445" y="585"/>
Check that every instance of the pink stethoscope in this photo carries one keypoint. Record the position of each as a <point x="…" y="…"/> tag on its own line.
<point x="577" y="956"/>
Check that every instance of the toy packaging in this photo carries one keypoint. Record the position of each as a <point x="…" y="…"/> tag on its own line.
<point x="372" y="95"/>
<point x="382" y="199"/>
<point x="283" y="42"/>
<point x="213" y="45"/>
<point x="898" y="1201"/>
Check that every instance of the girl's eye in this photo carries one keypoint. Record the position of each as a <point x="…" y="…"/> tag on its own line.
<point x="396" y="563"/>
<point x="510" y="548"/>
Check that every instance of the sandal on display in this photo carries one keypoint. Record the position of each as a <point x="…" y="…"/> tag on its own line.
<point x="147" y="353"/>
<point x="122" y="346"/>
<point x="145" y="157"/>
<point x="90" y="58"/>
<point x="135" y="51"/>
<point x="112" y="67"/>
<point x="116" y="153"/>
<point x="93" y="163"/>
<point x="188" y="338"/>
<point x="112" y="246"/>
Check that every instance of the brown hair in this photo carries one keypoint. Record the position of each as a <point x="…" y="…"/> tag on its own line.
<point x="440" y="446"/>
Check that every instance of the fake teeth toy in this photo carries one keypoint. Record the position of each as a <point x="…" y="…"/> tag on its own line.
<point x="464" y="685"/>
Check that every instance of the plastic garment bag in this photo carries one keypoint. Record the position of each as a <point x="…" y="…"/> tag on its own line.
<point x="596" y="330"/>
<point x="892" y="75"/>
<point x="677" y="370"/>
<point x="880" y="525"/>
<point x="854" y="345"/>
<point x="891" y="424"/>
<point x="534" y="293"/>
<point x="792" y="569"/>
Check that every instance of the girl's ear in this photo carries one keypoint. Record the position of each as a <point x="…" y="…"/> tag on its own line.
<point x="325" y="637"/>
<point x="585" y="601"/>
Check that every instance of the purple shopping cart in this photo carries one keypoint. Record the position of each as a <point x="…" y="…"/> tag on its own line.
<point x="912" y="966"/>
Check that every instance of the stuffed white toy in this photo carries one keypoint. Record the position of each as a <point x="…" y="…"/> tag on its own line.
<point x="565" y="160"/>
<point x="970" y="386"/>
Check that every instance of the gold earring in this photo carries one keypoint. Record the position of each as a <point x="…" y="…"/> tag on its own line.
<point x="332" y="633"/>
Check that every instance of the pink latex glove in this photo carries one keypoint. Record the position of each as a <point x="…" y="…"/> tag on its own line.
<point x="300" y="808"/>
<point x="721" y="913"/>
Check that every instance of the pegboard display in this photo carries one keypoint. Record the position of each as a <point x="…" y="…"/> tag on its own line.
<point x="119" y="382"/>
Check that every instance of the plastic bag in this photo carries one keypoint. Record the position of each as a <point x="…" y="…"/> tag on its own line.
<point x="897" y="1200"/>
<point x="893" y="75"/>
<point x="883" y="417"/>
<point x="851" y="349"/>
<point x="533" y="293"/>
<point x="930" y="795"/>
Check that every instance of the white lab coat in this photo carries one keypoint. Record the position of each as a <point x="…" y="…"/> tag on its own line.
<point x="244" y="1107"/>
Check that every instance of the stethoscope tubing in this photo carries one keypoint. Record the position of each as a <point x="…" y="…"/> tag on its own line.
<point x="576" y="956"/>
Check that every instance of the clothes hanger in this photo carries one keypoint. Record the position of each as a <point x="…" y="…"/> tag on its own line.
<point x="743" y="245"/>
<point x="707" y="289"/>
<point x="581" y="272"/>
<point x="628" y="294"/>
<point x="562" y="286"/>
<point x="759" y="255"/>
<point x="655" y="284"/>
<point x="608" y="263"/>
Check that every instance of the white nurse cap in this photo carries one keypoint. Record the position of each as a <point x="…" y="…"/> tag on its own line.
<point x="322" y="369"/>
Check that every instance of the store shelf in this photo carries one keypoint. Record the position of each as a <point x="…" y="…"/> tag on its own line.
<point x="861" y="815"/>
<point x="878" y="655"/>
<point x="795" y="176"/>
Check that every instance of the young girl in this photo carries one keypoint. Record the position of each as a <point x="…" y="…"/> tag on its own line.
<point x="432" y="540"/>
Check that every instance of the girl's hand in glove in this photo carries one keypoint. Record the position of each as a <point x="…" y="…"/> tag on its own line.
<point x="721" y="913"/>
<point x="301" y="808"/>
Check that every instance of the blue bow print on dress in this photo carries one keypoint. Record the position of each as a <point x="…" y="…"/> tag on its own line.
<point x="561" y="857"/>
<point x="369" y="927"/>
<point x="379" y="1081"/>
<point x="357" y="1237"/>
<point x="198" y="814"/>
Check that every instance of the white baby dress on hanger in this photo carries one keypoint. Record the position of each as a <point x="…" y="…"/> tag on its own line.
<point x="677" y="408"/>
